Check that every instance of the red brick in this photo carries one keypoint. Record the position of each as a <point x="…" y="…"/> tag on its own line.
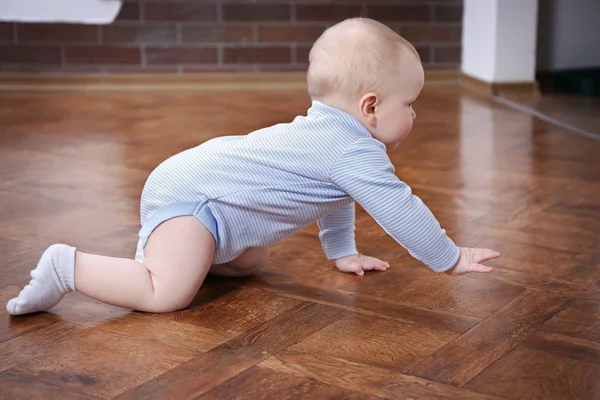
<point x="146" y="33"/>
<point x="447" y="54"/>
<point x="172" y="11"/>
<point x="102" y="55"/>
<point x="49" y="68"/>
<point x="289" y="33"/>
<point x="326" y="12"/>
<point x="220" y="68"/>
<point x="448" y="13"/>
<point x="282" y="67"/>
<point x="6" y="32"/>
<point x="302" y="53"/>
<point x="43" y="32"/>
<point x="217" y="34"/>
<point x="35" y="54"/>
<point x="181" y="55"/>
<point x="423" y="53"/>
<point x="138" y="69"/>
<point x="257" y="55"/>
<point x="399" y="12"/>
<point x="431" y="33"/>
<point x="130" y="11"/>
<point x="256" y="12"/>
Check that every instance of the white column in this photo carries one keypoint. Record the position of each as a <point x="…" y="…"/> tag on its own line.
<point x="499" y="40"/>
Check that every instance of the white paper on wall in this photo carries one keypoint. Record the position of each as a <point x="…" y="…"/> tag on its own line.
<point x="66" y="11"/>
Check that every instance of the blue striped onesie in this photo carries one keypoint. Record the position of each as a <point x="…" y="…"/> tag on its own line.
<point x="256" y="189"/>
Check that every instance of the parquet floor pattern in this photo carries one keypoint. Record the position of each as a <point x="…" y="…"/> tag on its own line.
<point x="72" y="166"/>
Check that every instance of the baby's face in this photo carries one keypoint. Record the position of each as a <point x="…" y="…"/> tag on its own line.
<point x="395" y="115"/>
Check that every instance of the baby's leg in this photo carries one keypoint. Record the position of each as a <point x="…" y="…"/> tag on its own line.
<point x="250" y="261"/>
<point x="178" y="256"/>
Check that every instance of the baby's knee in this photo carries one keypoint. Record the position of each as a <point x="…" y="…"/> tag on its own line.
<point x="257" y="258"/>
<point x="168" y="299"/>
<point x="251" y="260"/>
<point x="167" y="304"/>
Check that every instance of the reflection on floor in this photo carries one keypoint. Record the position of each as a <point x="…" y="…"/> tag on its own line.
<point x="581" y="113"/>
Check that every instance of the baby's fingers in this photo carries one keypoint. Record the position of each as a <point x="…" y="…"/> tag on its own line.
<point x="373" y="264"/>
<point x="357" y="268"/>
<point x="479" y="268"/>
<point x="377" y="267"/>
<point x="484" y="255"/>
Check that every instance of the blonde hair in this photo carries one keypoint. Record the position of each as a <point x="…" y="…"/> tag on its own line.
<point x="355" y="56"/>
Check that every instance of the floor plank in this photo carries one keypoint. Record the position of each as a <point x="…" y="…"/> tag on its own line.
<point x="13" y="327"/>
<point x="260" y="380"/>
<point x="568" y="108"/>
<point x="565" y="346"/>
<point x="376" y="341"/>
<point x="416" y="287"/>
<point x="366" y="378"/>
<point x="26" y="387"/>
<point x="237" y="312"/>
<point x="580" y="319"/>
<point x="463" y="359"/>
<point x="173" y="333"/>
<point x="125" y="363"/>
<point x="204" y="372"/>
<point x="543" y="367"/>
<point x="358" y="303"/>
<point x="584" y="270"/>
<point x="38" y="343"/>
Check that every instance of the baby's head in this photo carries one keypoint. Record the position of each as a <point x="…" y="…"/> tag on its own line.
<point x="366" y="69"/>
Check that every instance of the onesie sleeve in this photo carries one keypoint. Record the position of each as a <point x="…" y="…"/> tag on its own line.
<point x="365" y="172"/>
<point x="337" y="233"/>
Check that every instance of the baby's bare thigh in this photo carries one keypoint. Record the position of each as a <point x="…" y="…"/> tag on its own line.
<point x="178" y="255"/>
<point x="249" y="262"/>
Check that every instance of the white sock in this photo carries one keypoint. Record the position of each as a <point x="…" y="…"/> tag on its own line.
<point x="53" y="277"/>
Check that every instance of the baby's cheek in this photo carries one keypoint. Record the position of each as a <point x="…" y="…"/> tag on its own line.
<point x="407" y="125"/>
<point x="406" y="128"/>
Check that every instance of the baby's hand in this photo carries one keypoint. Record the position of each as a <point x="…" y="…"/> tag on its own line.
<point x="358" y="264"/>
<point x="469" y="261"/>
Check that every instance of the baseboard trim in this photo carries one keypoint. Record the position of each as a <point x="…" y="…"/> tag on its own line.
<point x="197" y="81"/>
<point x="221" y="81"/>
<point x="495" y="89"/>
<point x="442" y="75"/>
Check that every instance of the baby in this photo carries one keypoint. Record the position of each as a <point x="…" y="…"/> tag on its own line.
<point x="217" y="208"/>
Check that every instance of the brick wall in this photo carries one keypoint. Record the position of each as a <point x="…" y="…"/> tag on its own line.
<point x="221" y="35"/>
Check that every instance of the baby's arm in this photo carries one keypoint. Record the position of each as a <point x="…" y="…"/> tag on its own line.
<point x="337" y="239"/>
<point x="337" y="233"/>
<point x="365" y="172"/>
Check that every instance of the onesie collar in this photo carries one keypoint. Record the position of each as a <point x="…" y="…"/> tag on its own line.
<point x="319" y="110"/>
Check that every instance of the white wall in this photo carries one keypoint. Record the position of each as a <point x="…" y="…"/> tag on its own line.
<point x="568" y="34"/>
<point x="499" y="40"/>
<point x="70" y="11"/>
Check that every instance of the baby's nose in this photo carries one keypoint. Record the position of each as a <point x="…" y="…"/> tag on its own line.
<point x="414" y="114"/>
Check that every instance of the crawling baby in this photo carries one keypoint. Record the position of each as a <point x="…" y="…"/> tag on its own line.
<point x="216" y="208"/>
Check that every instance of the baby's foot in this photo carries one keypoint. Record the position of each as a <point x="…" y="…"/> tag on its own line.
<point x="51" y="280"/>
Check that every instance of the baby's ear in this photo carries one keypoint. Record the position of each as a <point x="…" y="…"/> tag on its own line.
<point x="368" y="104"/>
<point x="372" y="120"/>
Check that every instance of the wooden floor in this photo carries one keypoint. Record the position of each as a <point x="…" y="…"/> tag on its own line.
<point x="72" y="166"/>
<point x="578" y="111"/>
